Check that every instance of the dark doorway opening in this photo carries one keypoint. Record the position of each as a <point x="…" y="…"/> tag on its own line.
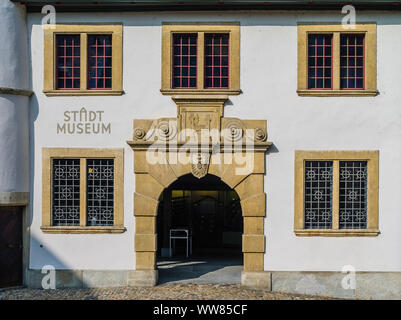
<point x="11" y="246"/>
<point x="211" y="211"/>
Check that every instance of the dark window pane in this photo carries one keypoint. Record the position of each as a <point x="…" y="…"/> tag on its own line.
<point x="192" y="82"/>
<point x="352" y="44"/>
<point x="184" y="56"/>
<point x="185" y="82"/>
<point x="216" y="57"/>
<point x="76" y="83"/>
<point x="224" y="83"/>
<point x="99" y="57"/>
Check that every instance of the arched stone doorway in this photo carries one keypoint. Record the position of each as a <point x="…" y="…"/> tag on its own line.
<point x="210" y="211"/>
<point x="152" y="177"/>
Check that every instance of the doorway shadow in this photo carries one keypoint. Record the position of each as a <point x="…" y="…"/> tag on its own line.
<point x="218" y="268"/>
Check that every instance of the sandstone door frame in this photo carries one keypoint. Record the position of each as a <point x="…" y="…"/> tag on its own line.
<point x="152" y="178"/>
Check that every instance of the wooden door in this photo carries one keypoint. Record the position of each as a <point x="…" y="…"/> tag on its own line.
<point x="10" y="246"/>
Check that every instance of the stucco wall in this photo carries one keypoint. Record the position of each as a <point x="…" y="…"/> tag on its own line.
<point x="268" y="82"/>
<point x="14" y="64"/>
<point x="14" y="112"/>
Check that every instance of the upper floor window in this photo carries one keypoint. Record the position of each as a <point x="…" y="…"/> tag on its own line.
<point x="82" y="190"/>
<point x="352" y="61"/>
<point x="68" y="62"/>
<point x="185" y="60"/>
<point x="216" y="60"/>
<point x="320" y="61"/>
<point x="200" y="58"/>
<point x="334" y="61"/>
<point x="83" y="60"/>
<point x="100" y="62"/>
<point x="336" y="193"/>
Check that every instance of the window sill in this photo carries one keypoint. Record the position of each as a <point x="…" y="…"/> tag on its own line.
<point x="337" y="93"/>
<point x="53" y="93"/>
<point x="200" y="91"/>
<point x="336" y="233"/>
<point x="79" y="229"/>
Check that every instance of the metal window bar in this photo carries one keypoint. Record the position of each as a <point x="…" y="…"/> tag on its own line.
<point x="65" y="192"/>
<point x="320" y="61"/>
<point x="100" y="192"/>
<point x="217" y="61"/>
<point x="100" y="62"/>
<point x="185" y="57"/>
<point x="353" y="195"/>
<point x="318" y="194"/>
<point x="352" y="61"/>
<point x="68" y="55"/>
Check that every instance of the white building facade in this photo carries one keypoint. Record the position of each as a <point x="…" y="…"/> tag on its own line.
<point x="344" y="114"/>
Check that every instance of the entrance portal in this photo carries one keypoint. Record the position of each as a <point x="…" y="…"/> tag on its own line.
<point x="209" y="208"/>
<point x="235" y="153"/>
<point x="211" y="212"/>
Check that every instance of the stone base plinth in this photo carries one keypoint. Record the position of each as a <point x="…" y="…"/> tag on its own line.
<point x="143" y="278"/>
<point x="257" y="279"/>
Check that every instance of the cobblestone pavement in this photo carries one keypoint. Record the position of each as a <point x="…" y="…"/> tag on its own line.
<point x="161" y="292"/>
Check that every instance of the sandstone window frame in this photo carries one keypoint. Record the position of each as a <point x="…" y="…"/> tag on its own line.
<point x="201" y="28"/>
<point x="336" y="29"/>
<point x="83" y="154"/>
<point x="372" y="158"/>
<point x="50" y="32"/>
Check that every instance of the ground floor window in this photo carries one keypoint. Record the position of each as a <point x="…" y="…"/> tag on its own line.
<point x="336" y="193"/>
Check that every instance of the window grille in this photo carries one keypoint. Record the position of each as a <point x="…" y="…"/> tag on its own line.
<point x="352" y="61"/>
<point x="185" y="60"/>
<point x="100" y="56"/>
<point x="100" y="192"/>
<point x="68" y="62"/>
<point x="320" y="62"/>
<point x="216" y="60"/>
<point x="66" y="192"/>
<point x="318" y="194"/>
<point x="353" y="194"/>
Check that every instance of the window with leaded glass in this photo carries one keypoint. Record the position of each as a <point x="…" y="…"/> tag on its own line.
<point x="66" y="192"/>
<point x="353" y="194"/>
<point x="336" y="193"/>
<point x="100" y="192"/>
<point x="83" y="190"/>
<point x="318" y="194"/>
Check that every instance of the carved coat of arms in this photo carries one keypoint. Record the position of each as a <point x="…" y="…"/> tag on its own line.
<point x="200" y="164"/>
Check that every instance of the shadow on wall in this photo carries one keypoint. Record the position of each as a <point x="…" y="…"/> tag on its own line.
<point x="50" y="277"/>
